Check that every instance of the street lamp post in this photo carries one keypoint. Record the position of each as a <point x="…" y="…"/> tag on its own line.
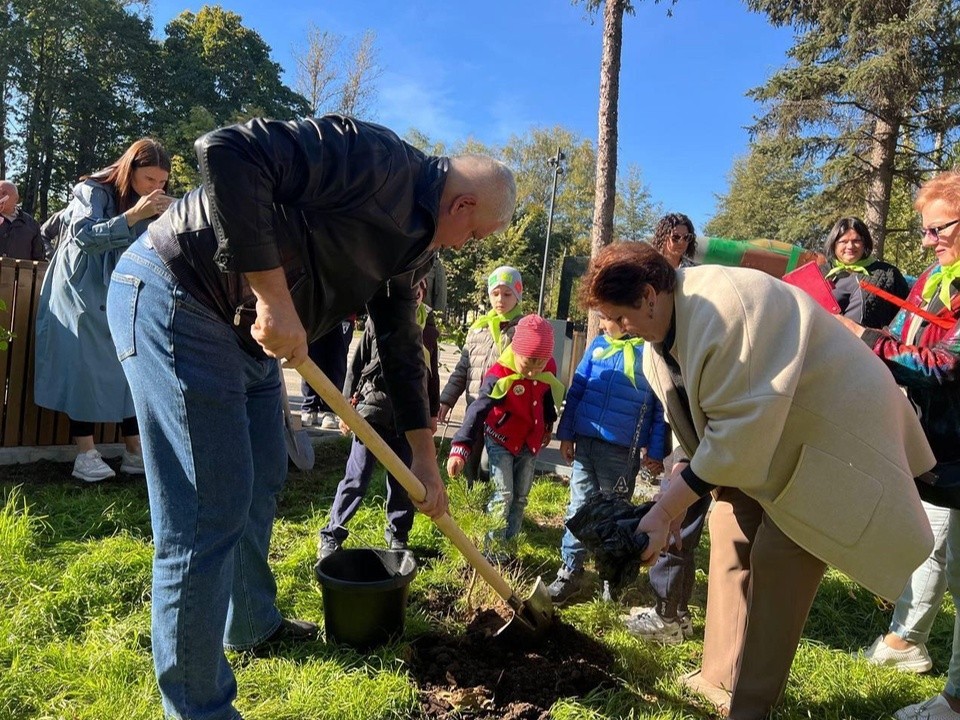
<point x="557" y="170"/>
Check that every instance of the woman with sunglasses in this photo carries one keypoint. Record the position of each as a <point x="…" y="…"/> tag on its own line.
<point x="675" y="239"/>
<point x="924" y="358"/>
<point x="849" y="253"/>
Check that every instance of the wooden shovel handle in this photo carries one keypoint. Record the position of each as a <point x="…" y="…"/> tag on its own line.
<point x="395" y="466"/>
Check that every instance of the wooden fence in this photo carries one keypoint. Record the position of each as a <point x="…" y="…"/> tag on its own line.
<point x="22" y="423"/>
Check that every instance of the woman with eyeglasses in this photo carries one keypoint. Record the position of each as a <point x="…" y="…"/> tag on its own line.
<point x="675" y="239"/>
<point x="924" y="357"/>
<point x="849" y="253"/>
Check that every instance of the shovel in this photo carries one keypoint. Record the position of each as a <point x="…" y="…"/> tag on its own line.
<point x="533" y="616"/>
<point x="298" y="442"/>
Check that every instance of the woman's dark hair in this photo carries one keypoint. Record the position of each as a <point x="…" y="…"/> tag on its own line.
<point x="840" y="227"/>
<point x="143" y="153"/>
<point x="619" y="272"/>
<point x="665" y="229"/>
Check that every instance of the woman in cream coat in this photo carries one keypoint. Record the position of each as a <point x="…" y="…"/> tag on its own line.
<point x="801" y="433"/>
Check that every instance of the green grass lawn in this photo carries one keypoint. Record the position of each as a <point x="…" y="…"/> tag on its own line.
<point x="75" y="614"/>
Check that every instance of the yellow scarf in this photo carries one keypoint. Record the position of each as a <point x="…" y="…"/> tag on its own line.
<point x="860" y="266"/>
<point x="941" y="278"/>
<point x="509" y="360"/>
<point x="628" y="347"/>
<point x="493" y="319"/>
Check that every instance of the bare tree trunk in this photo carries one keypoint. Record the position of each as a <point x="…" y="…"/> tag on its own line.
<point x="877" y="207"/>
<point x="605" y="196"/>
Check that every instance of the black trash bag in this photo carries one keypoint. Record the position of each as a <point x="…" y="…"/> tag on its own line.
<point x="605" y="524"/>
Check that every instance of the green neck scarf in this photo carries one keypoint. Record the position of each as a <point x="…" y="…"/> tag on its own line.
<point x="628" y="347"/>
<point x="860" y="266"/>
<point x="941" y="279"/>
<point x="493" y="319"/>
<point x="503" y="385"/>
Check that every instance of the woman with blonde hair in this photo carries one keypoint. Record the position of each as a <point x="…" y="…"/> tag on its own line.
<point x="923" y="353"/>
<point x="77" y="370"/>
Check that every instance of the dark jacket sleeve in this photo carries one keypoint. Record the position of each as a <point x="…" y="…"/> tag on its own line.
<point x="476" y="415"/>
<point x="431" y="335"/>
<point x="400" y="343"/>
<point x="358" y="361"/>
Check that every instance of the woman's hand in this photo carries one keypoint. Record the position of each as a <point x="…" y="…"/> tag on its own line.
<point x="567" y="451"/>
<point x="657" y="525"/>
<point x="148" y="206"/>
<point x="851" y="325"/>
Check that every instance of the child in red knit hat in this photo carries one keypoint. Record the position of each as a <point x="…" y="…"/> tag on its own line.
<point x="515" y="410"/>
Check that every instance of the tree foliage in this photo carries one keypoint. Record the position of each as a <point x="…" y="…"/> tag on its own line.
<point x="82" y="79"/>
<point x="871" y="93"/>
<point x="69" y="106"/>
<point x="769" y="196"/>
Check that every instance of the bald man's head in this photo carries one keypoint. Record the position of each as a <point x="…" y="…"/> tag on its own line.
<point x="9" y="197"/>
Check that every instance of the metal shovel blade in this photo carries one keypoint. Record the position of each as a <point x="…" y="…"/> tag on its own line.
<point x="298" y="442"/>
<point x="532" y="617"/>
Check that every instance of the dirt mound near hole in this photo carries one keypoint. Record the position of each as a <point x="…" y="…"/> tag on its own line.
<point x="483" y="677"/>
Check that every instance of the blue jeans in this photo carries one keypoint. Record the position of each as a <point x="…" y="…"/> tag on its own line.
<point x="919" y="603"/>
<point x="512" y="478"/>
<point x="597" y="466"/>
<point x="213" y="449"/>
<point x="356" y="480"/>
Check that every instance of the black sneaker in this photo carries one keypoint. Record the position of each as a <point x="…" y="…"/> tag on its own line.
<point x="328" y="546"/>
<point x="290" y="632"/>
<point x="566" y="587"/>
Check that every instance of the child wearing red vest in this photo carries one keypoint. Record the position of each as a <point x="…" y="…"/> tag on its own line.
<point x="516" y="409"/>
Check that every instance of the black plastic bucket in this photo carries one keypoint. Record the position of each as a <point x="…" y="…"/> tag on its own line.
<point x="365" y="594"/>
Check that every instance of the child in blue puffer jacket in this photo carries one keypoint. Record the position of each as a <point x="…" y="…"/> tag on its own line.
<point x="598" y="434"/>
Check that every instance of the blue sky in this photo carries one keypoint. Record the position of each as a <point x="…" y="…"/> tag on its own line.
<point x="494" y="68"/>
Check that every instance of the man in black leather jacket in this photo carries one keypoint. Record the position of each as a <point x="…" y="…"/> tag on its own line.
<point x="297" y="225"/>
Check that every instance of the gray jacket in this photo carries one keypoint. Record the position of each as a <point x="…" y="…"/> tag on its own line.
<point x="477" y="356"/>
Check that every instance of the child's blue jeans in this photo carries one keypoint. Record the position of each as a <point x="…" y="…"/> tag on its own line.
<point x="597" y="466"/>
<point x="512" y="478"/>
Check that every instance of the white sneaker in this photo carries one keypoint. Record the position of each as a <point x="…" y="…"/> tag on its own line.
<point x="936" y="708"/>
<point x="648" y="625"/>
<point x="90" y="467"/>
<point x="686" y="624"/>
<point x="131" y="464"/>
<point x="914" y="659"/>
<point x="329" y="421"/>
<point x="308" y="418"/>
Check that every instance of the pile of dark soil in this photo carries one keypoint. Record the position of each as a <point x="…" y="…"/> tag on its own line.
<point x="479" y="676"/>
